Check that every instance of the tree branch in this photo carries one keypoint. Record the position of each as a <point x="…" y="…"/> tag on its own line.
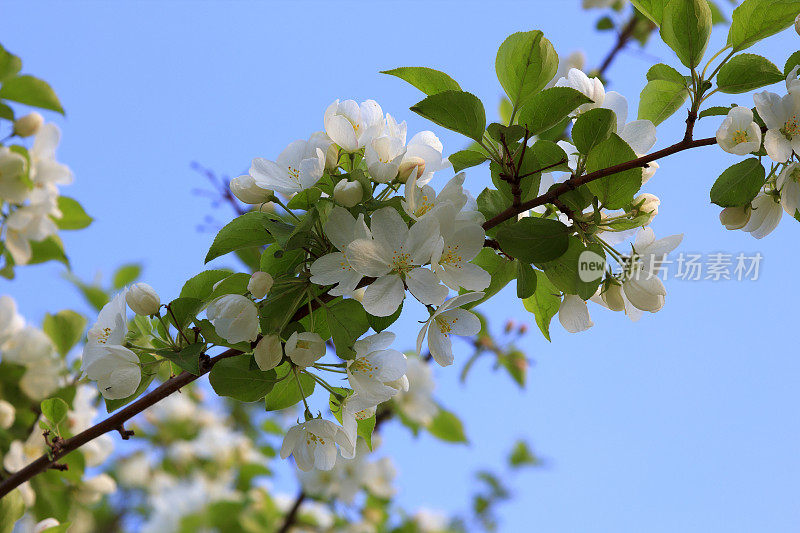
<point x="291" y="517"/>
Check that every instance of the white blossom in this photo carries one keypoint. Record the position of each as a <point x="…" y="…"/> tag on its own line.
<point x="592" y="88"/>
<point x="780" y="114"/>
<point x="245" y="189"/>
<point x="348" y="193"/>
<point x="313" y="444"/>
<point x="788" y="183"/>
<point x="268" y="352"/>
<point x="765" y="215"/>
<point x="260" y="284"/>
<point x="373" y="366"/>
<point x="143" y="299"/>
<point x="415" y="401"/>
<point x="393" y="255"/>
<point x="449" y="319"/>
<point x="297" y="168"/>
<point x="235" y="318"/>
<point x="304" y="348"/>
<point x="350" y="125"/>
<point x="574" y="314"/>
<point x="334" y="268"/>
<point x="423" y="154"/>
<point x="735" y="217"/>
<point x="739" y="134"/>
<point x="7" y="414"/>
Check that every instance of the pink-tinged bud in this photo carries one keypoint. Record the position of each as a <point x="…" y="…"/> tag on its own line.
<point x="408" y="166"/>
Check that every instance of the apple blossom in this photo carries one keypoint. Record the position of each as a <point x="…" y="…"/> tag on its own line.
<point x="95" y="487"/>
<point x="28" y="125"/>
<point x="648" y="204"/>
<point x="7" y="414"/>
<point x="613" y="297"/>
<point x="765" y="214"/>
<point x="780" y="114"/>
<point x="739" y="134"/>
<point x="143" y="299"/>
<point x="735" y="217"/>
<point x="449" y="319"/>
<point x="351" y="126"/>
<point x="423" y="153"/>
<point x="313" y="444"/>
<point x="268" y="353"/>
<point x="12" y="184"/>
<point x="297" y="168"/>
<point x="348" y="193"/>
<point x="28" y="346"/>
<point x="10" y="320"/>
<point x="393" y="255"/>
<point x="416" y="400"/>
<point x="244" y="187"/>
<point x="460" y="244"/>
<point x="321" y="140"/>
<point x="373" y="366"/>
<point x="574" y="314"/>
<point x="260" y="284"/>
<point x="335" y="268"/>
<point x="789" y="188"/>
<point x="46" y="172"/>
<point x="305" y="347"/>
<point x="639" y="134"/>
<point x="383" y="156"/>
<point x="235" y="318"/>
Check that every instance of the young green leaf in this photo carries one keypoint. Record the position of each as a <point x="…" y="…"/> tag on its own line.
<point x="592" y="128"/>
<point x="30" y="91"/>
<point x="548" y="108"/>
<point x="446" y="426"/>
<point x="72" y="214"/>
<point x="739" y="184"/>
<point x="65" y="329"/>
<point x="427" y="80"/>
<point x="746" y="72"/>
<point x="686" y="27"/>
<point x="54" y="410"/>
<point x="525" y="63"/>
<point x="617" y="190"/>
<point x="544" y="303"/>
<point x="660" y="99"/>
<point x="125" y="275"/>
<point x="754" y="20"/>
<point x="251" y="229"/>
<point x="500" y="269"/>
<point x="287" y="392"/>
<point x="652" y="9"/>
<point x="10" y="64"/>
<point x="660" y="71"/>
<point x="534" y="239"/>
<point x="526" y="280"/>
<point x="455" y="110"/>
<point x="466" y="159"/>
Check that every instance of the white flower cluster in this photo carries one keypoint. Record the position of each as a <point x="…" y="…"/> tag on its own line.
<point x="739" y="134"/>
<point x="29" y="192"/>
<point x="27" y="345"/>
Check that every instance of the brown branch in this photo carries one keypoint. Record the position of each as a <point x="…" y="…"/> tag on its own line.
<point x="291" y="517"/>
<point x="622" y="39"/>
<point x="576" y="181"/>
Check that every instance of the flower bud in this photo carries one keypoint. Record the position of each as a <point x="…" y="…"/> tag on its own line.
<point x="143" y="299"/>
<point x="7" y="414"/>
<point x="408" y="165"/>
<point x="612" y="297"/>
<point x="735" y="217"/>
<point x="348" y="193"/>
<point x="304" y="348"/>
<point x="647" y="203"/>
<point x="268" y="352"/>
<point x="245" y="189"/>
<point x="28" y="125"/>
<point x="235" y="318"/>
<point x="44" y="525"/>
<point x="259" y="285"/>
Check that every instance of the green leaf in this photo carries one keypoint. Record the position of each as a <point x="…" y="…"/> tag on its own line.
<point x="50" y="249"/>
<point x="455" y="110"/>
<point x="65" y="329"/>
<point x="501" y="270"/>
<point x="746" y="72"/>
<point x="187" y="359"/>
<point x="201" y="285"/>
<point x="466" y="159"/>
<point x="526" y="280"/>
<point x="347" y="321"/>
<point x="739" y="184"/>
<point x="660" y="71"/>
<point x="714" y="111"/>
<point x="592" y="128"/>
<point x="232" y="284"/>
<point x="792" y="62"/>
<point x="686" y="27"/>
<point x="277" y="262"/>
<point x="660" y="99"/>
<point x="55" y="410"/>
<point x="564" y="272"/>
<point x="10" y="64"/>
<point x="521" y="455"/>
<point x="492" y="202"/>
<point x="617" y="190"/>
<point x="305" y="199"/>
<point x="446" y="426"/>
<point x="126" y="274"/>
<point x="182" y="311"/>
<point x="251" y="229"/>
<point x="652" y="9"/>
<point x="548" y="108"/>
<point x="754" y="20"/>
<point x="6" y="112"/>
<point x="534" y="239"/>
<point x="12" y="507"/>
<point x="280" y="305"/>
<point x="73" y="216"/>
<point x="233" y="377"/>
<point x="525" y="63"/>
<point x="427" y="80"/>
<point x="286" y="393"/>
<point x="30" y="91"/>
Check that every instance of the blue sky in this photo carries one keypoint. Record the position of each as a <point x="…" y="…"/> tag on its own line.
<point x="684" y="421"/>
